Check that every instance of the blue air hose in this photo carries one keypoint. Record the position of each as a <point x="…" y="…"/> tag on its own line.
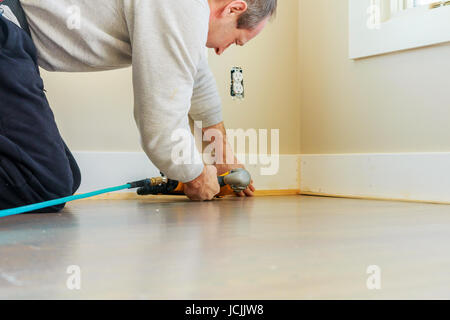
<point x="51" y="203"/>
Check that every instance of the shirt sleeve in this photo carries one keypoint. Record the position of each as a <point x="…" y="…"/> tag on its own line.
<point x="206" y="105"/>
<point x="165" y="64"/>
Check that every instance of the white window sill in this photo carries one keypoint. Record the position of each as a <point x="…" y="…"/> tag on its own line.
<point x="414" y="28"/>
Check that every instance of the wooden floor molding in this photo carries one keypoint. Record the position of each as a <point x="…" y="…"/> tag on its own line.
<point x="134" y="196"/>
<point x="317" y="194"/>
<point x="260" y="193"/>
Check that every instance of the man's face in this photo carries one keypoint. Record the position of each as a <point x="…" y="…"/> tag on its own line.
<point x="223" y="31"/>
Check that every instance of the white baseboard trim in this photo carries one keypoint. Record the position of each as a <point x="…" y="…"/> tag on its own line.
<point x="106" y="169"/>
<point x="404" y="176"/>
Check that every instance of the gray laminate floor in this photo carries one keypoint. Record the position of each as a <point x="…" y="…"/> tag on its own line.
<point x="261" y="248"/>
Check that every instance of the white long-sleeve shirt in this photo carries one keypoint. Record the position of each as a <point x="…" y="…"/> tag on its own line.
<point x="163" y="40"/>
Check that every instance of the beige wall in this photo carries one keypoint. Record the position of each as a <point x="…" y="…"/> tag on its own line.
<point x="270" y="64"/>
<point x="393" y="103"/>
<point x="94" y="111"/>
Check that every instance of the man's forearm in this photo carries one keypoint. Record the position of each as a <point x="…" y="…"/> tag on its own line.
<point x="223" y="152"/>
<point x="225" y="160"/>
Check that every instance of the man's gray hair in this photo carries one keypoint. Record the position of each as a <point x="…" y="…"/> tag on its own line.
<point x="257" y="11"/>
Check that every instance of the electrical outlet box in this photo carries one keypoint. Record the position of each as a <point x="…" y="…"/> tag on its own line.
<point x="237" y="83"/>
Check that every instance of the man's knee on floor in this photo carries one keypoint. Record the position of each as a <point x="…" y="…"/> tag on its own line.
<point x="18" y="196"/>
<point x="19" y="187"/>
<point x="54" y="209"/>
<point x="60" y="186"/>
<point x="65" y="188"/>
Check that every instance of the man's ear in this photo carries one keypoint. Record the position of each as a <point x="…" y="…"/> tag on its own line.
<point x="235" y="8"/>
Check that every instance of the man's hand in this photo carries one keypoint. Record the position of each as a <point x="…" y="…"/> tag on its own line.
<point x="205" y="187"/>
<point x="225" y="159"/>
<point x="224" y="168"/>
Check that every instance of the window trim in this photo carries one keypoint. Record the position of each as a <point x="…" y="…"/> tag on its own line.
<point x="420" y="27"/>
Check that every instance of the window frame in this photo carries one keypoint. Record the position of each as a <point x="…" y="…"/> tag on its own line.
<point x="419" y="27"/>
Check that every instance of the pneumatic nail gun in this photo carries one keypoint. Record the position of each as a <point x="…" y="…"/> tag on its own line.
<point x="232" y="182"/>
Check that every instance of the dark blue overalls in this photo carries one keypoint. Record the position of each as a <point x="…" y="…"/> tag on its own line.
<point x="35" y="163"/>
